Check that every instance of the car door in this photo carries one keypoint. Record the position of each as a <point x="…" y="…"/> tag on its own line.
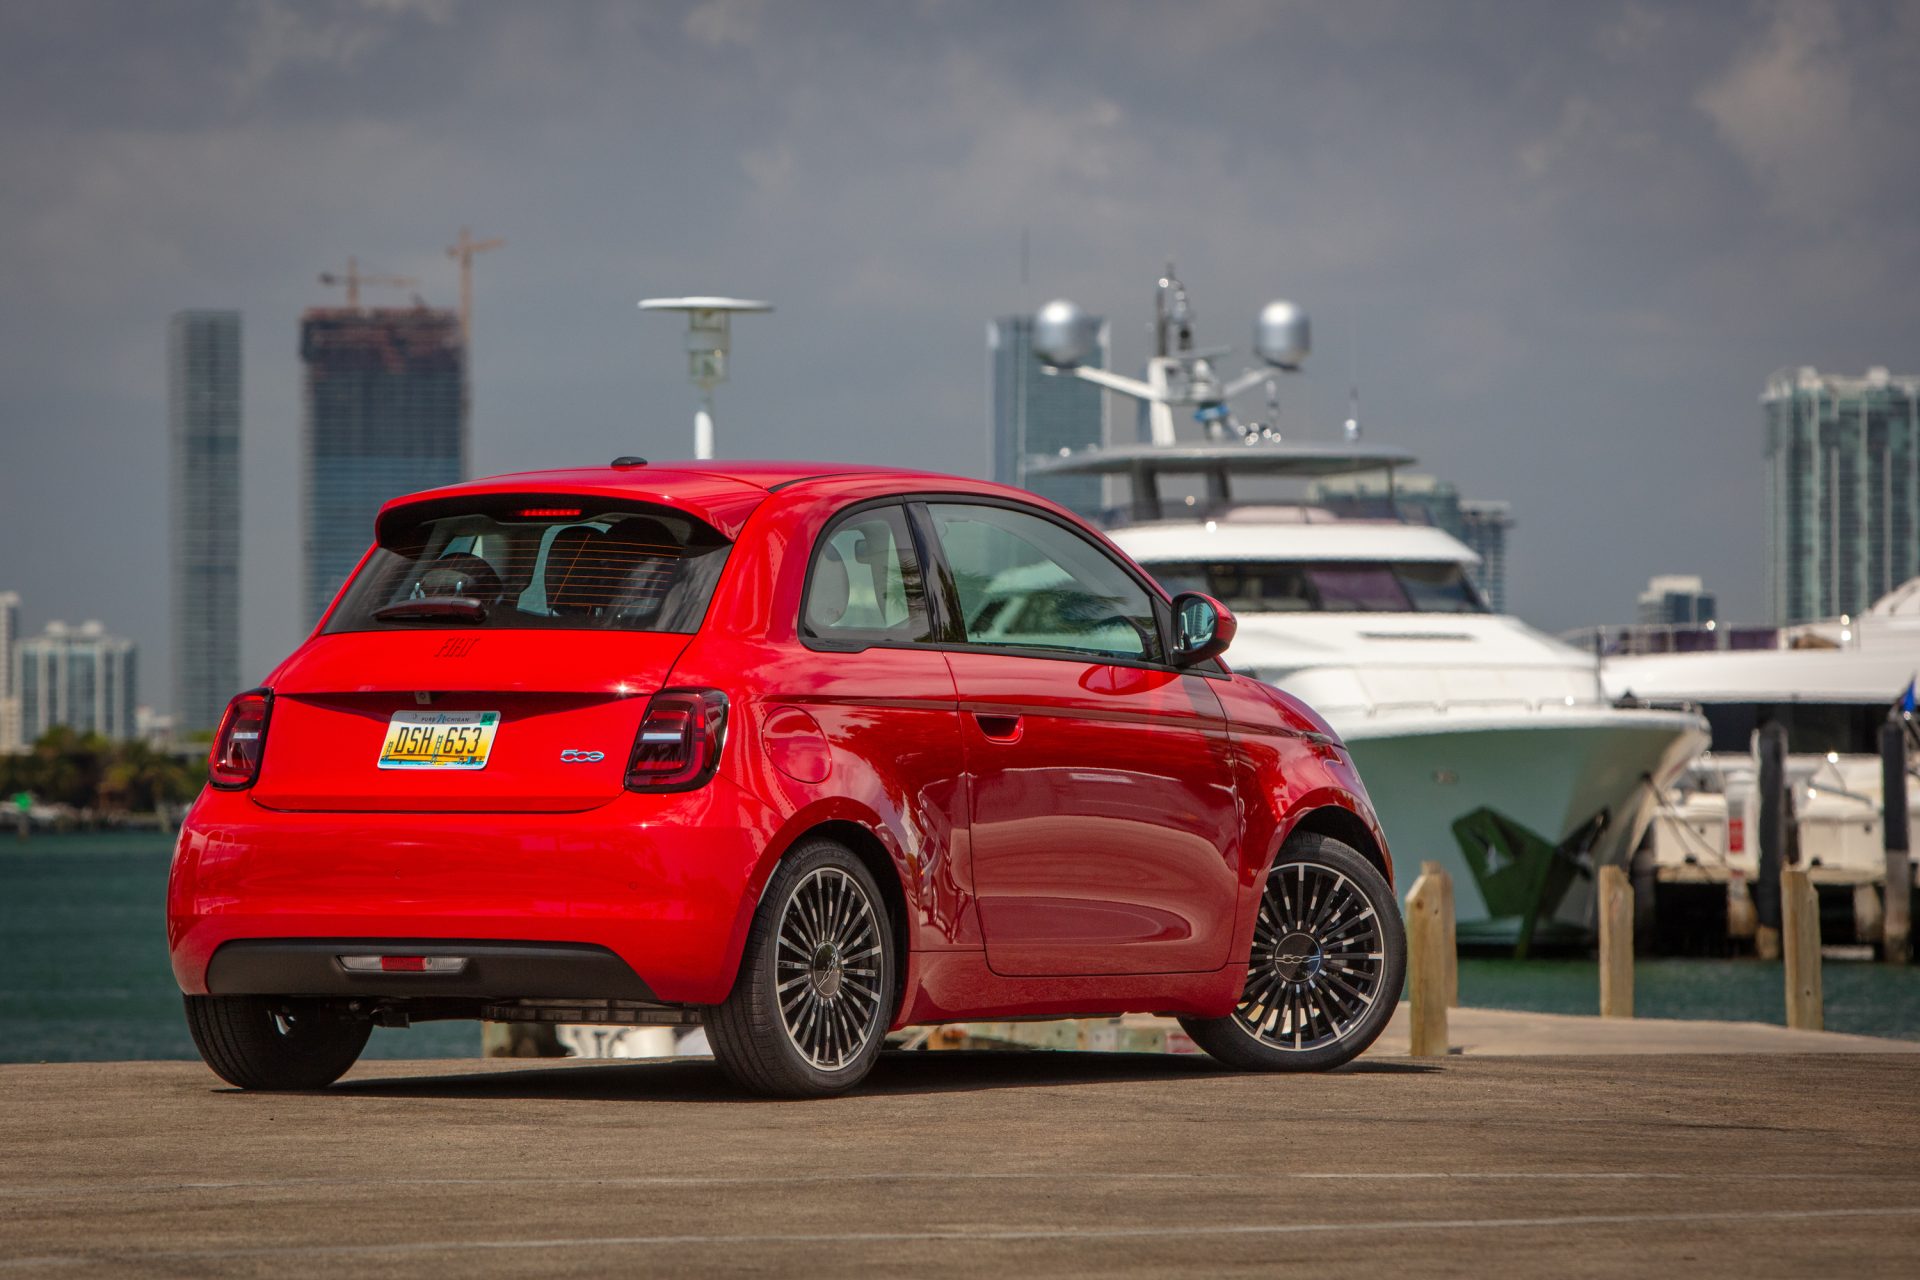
<point x="1103" y="826"/>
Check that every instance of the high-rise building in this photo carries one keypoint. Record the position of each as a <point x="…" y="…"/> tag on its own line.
<point x="383" y="418"/>
<point x="10" y="739"/>
<point x="1483" y="527"/>
<point x="1676" y="600"/>
<point x="1040" y="414"/>
<point x="1422" y="499"/>
<point x="203" y="431"/>
<point x="1843" y="490"/>
<point x="80" y="677"/>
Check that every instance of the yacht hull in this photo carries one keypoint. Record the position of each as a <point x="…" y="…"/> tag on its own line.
<point x="1520" y="809"/>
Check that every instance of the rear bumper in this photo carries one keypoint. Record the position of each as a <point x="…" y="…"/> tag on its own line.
<point x="665" y="884"/>
<point x="488" y="970"/>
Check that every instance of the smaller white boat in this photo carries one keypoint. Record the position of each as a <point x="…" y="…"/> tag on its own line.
<point x="1831" y="685"/>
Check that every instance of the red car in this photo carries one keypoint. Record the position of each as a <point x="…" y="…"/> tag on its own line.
<point x="798" y="752"/>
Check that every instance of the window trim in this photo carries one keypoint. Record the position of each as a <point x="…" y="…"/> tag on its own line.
<point x="942" y="604"/>
<point x="1156" y="595"/>
<point x="858" y="641"/>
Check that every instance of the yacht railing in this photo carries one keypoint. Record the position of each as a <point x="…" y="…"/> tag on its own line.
<point x="1530" y="706"/>
<point x="1652" y="638"/>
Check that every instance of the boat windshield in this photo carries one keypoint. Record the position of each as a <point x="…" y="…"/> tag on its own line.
<point x="1813" y="728"/>
<point x="1337" y="586"/>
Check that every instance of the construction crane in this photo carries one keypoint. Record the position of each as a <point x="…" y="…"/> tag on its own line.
<point x="462" y="252"/>
<point x="354" y="278"/>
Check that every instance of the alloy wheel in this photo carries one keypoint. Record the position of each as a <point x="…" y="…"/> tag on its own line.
<point x="1318" y="959"/>
<point x="828" y="968"/>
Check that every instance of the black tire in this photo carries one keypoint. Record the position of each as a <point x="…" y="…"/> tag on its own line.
<point x="810" y="1008"/>
<point x="1306" y="1007"/>
<point x="268" y="1043"/>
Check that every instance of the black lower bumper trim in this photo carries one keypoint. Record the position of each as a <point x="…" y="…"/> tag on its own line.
<point x="494" y="970"/>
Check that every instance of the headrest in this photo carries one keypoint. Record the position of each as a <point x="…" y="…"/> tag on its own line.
<point x="568" y="578"/>
<point x="628" y="568"/>
<point x="828" y="594"/>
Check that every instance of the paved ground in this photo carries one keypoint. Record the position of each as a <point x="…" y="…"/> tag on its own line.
<point x="1506" y="1032"/>
<point x="1476" y="1032"/>
<point x="970" y="1164"/>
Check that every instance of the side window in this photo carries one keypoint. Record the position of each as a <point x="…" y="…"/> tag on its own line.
<point x="1026" y="582"/>
<point x="864" y="584"/>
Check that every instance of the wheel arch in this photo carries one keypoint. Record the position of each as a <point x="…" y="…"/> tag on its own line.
<point x="856" y="830"/>
<point x="877" y="859"/>
<point x="1338" y="822"/>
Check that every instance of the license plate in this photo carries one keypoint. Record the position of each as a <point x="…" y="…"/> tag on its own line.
<point x="439" y="739"/>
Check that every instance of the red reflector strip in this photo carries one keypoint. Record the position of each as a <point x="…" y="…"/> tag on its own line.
<point x="403" y="964"/>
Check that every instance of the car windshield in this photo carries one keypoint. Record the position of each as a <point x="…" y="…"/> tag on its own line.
<point x="1341" y="586"/>
<point x="566" y="564"/>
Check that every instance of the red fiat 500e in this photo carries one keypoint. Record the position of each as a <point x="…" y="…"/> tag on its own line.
<point x="803" y="753"/>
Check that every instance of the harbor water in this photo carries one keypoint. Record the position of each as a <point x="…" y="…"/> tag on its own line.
<point x="84" y="975"/>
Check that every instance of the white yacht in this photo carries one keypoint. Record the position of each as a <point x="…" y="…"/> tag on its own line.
<point x="1831" y="685"/>
<point x="1486" y="745"/>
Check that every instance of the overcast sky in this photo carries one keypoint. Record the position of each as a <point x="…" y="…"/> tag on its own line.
<point x="1572" y="239"/>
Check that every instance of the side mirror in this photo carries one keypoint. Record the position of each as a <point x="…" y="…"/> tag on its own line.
<point x="1203" y="628"/>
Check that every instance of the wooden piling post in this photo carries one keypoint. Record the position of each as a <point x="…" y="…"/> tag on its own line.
<point x="1896" y="913"/>
<point x="1616" y="943"/>
<point x="1800" y="942"/>
<point x="1449" y="919"/>
<point x="1776" y="813"/>
<point x="1430" y="961"/>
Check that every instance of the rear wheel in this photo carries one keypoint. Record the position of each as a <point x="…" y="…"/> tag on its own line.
<point x="1329" y="956"/>
<point x="810" y="1009"/>
<point x="264" y="1042"/>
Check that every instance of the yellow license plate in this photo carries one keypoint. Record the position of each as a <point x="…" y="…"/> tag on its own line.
<point x="439" y="739"/>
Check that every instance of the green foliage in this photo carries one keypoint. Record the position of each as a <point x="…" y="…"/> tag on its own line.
<point x="86" y="771"/>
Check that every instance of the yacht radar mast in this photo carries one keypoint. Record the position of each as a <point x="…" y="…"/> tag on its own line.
<point x="1178" y="374"/>
<point x="709" y="338"/>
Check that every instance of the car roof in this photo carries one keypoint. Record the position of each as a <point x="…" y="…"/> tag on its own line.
<point x="721" y="492"/>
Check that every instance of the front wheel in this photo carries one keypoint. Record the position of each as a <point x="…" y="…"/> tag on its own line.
<point x="809" y="1010"/>
<point x="262" y="1042"/>
<point x="1329" y="956"/>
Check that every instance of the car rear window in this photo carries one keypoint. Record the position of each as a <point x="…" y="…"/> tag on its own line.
<point x="537" y="563"/>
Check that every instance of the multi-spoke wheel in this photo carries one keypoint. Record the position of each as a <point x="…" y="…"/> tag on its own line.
<point x="810" y="1008"/>
<point x="260" y="1042"/>
<point x="1328" y="958"/>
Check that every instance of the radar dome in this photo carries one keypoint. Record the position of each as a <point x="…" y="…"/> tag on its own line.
<point x="1281" y="335"/>
<point x="1063" y="334"/>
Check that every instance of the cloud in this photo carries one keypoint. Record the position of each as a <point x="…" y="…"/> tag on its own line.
<point x="1787" y="107"/>
<point x="724" y="22"/>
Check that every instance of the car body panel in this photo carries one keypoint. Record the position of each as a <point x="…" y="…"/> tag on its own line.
<point x="1104" y="830"/>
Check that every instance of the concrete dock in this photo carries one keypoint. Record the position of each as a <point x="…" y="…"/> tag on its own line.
<point x="1691" y="1164"/>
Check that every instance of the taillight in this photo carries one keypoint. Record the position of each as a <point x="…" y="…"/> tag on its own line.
<point x="235" y="760"/>
<point x="678" y="746"/>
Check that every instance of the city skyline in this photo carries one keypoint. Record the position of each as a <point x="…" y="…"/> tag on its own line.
<point x="1843" y="489"/>
<point x="382" y="415"/>
<point x="204" y="360"/>
<point x="1559" y="246"/>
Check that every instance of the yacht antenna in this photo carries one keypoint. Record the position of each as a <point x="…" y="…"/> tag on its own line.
<point x="1177" y="373"/>
<point x="1353" y="383"/>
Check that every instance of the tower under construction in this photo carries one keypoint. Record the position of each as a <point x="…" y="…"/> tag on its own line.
<point x="383" y="417"/>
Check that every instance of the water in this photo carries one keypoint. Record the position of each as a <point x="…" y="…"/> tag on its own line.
<point x="1862" y="997"/>
<point x="83" y="957"/>
<point x="84" y="974"/>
